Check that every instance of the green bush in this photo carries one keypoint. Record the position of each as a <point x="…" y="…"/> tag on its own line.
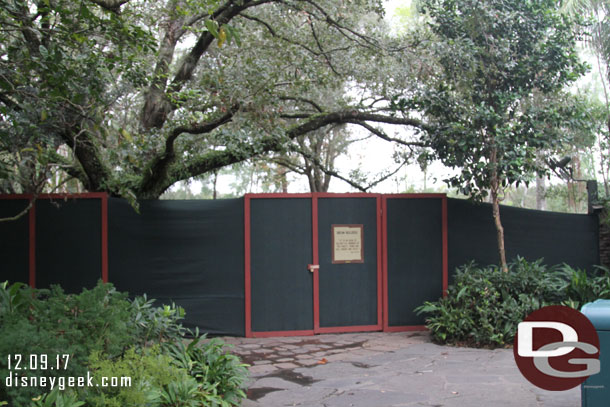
<point x="50" y="322"/>
<point x="149" y="370"/>
<point x="218" y="371"/>
<point x="484" y="305"/>
<point x="105" y="334"/>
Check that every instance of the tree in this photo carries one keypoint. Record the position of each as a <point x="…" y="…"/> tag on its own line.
<point x="495" y="58"/>
<point x="598" y="38"/>
<point x="139" y="109"/>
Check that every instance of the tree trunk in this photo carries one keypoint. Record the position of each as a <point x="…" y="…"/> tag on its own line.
<point x="495" y="202"/>
<point x="540" y="184"/>
<point x="282" y="175"/>
<point x="540" y="192"/>
<point x="499" y="230"/>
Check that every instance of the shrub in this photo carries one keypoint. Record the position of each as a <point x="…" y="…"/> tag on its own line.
<point x="149" y="370"/>
<point x="484" y="305"/>
<point x="52" y="323"/>
<point x="581" y="287"/>
<point x="219" y="372"/>
<point x="106" y="334"/>
<point x="157" y="324"/>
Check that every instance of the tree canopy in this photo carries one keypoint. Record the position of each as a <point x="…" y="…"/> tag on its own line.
<point x="131" y="96"/>
<point x="496" y="102"/>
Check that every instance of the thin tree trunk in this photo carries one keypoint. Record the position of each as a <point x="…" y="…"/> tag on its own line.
<point x="495" y="201"/>
<point x="499" y="230"/>
<point x="540" y="192"/>
<point x="283" y="178"/>
<point x="540" y="185"/>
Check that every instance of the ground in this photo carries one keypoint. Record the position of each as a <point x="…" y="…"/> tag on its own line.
<point x="386" y="369"/>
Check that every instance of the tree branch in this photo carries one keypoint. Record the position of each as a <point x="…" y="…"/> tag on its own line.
<point x="326" y="57"/>
<point x="71" y="168"/>
<point x="158" y="169"/>
<point x="22" y="213"/>
<point x="157" y="105"/>
<point x="304" y="100"/>
<point x="214" y="160"/>
<point x="276" y="35"/>
<point x="385" y="137"/>
<point x="110" y="5"/>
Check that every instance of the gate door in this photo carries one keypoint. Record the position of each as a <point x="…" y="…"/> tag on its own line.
<point x="349" y="254"/>
<point x="278" y="248"/>
<point x="415" y="256"/>
<point x="312" y="263"/>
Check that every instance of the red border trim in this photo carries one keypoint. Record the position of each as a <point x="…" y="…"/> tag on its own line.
<point x="407" y="328"/>
<point x="247" y="261"/>
<point x="380" y="247"/>
<point x="315" y="260"/>
<point x="85" y="195"/>
<point x="414" y="196"/>
<point x="384" y="222"/>
<point x="346" y="195"/>
<point x="347" y="329"/>
<point x="445" y="254"/>
<point x="271" y="334"/>
<point x="277" y="195"/>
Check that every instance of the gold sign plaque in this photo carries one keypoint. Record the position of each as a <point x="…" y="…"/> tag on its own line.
<point x="347" y="244"/>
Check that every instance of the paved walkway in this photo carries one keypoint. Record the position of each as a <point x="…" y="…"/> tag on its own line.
<point x="385" y="369"/>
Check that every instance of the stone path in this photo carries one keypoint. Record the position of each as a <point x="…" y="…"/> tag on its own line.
<point x="385" y="369"/>
<point x="266" y="355"/>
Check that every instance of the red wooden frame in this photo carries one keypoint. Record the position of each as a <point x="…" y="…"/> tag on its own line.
<point x="445" y="254"/>
<point x="102" y="196"/>
<point x="315" y="271"/>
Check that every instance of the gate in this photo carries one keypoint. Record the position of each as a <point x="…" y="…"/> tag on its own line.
<point x="328" y="263"/>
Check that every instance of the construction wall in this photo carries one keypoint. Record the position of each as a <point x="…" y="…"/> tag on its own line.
<point x="242" y="266"/>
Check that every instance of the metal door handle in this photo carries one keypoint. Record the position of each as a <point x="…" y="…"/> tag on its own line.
<point x="312" y="267"/>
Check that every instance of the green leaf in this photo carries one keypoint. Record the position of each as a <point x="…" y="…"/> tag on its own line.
<point x="127" y="135"/>
<point x="212" y="27"/>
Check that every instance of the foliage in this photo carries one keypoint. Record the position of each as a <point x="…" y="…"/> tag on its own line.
<point x="148" y="368"/>
<point x="131" y="96"/>
<point x="57" y="60"/>
<point x="218" y="371"/>
<point x="580" y="287"/>
<point x="157" y="324"/>
<point x="109" y="336"/>
<point x="57" y="398"/>
<point x="496" y="101"/>
<point x="484" y="306"/>
<point x="12" y="298"/>
<point x="55" y="323"/>
<point x="597" y="37"/>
